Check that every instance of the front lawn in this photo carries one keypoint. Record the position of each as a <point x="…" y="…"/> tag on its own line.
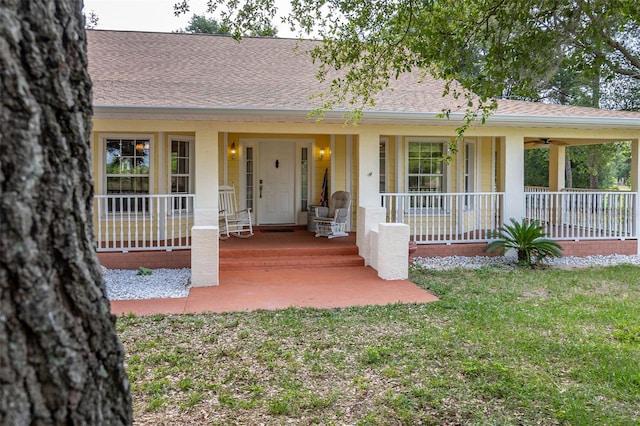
<point x="501" y="347"/>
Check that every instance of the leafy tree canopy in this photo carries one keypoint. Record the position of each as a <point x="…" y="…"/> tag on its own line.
<point x="200" y="24"/>
<point x="493" y="48"/>
<point x="91" y="20"/>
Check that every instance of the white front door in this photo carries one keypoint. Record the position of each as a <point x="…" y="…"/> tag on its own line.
<point x="276" y="183"/>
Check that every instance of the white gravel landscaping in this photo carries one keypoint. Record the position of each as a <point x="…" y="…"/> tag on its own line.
<point x="125" y="284"/>
<point x="569" y="262"/>
<point x="170" y="283"/>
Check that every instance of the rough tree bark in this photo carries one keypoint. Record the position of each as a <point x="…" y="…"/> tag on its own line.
<point x="60" y="359"/>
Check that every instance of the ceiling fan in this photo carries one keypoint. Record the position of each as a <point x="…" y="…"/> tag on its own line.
<point x="543" y="142"/>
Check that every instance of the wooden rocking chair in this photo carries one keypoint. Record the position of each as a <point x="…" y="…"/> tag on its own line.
<point x="233" y="221"/>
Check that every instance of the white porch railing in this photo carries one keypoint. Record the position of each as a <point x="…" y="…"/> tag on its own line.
<point x="583" y="214"/>
<point x="536" y="189"/>
<point x="436" y="218"/>
<point x="143" y="222"/>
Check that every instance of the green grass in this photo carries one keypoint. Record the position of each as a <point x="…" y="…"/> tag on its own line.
<point x="501" y="347"/>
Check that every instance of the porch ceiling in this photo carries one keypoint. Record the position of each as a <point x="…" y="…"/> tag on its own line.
<point x="535" y="142"/>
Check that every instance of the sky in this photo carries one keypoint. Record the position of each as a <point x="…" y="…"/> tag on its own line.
<point x="150" y="15"/>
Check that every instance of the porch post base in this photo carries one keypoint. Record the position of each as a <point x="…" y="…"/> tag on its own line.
<point x="205" y="256"/>
<point x="392" y="251"/>
<point x="368" y="219"/>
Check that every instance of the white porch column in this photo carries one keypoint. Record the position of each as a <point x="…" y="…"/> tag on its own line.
<point x="512" y="165"/>
<point x="369" y="212"/>
<point x="556" y="167"/>
<point x="205" y="231"/>
<point x="635" y="185"/>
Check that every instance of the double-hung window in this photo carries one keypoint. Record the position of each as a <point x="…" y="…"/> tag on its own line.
<point x="426" y="174"/>
<point x="127" y="165"/>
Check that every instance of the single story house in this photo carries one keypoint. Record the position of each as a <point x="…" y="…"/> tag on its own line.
<point x="178" y="115"/>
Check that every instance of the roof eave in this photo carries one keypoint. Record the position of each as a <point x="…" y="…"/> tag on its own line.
<point x="558" y="121"/>
<point x="266" y="115"/>
<point x="369" y="117"/>
<point x="144" y="112"/>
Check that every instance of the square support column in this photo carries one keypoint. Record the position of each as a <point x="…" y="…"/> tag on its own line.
<point x="369" y="169"/>
<point x="512" y="165"/>
<point x="205" y="250"/>
<point x="557" y="155"/>
<point x="369" y="213"/>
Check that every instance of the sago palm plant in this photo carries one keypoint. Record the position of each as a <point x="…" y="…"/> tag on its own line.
<point x="528" y="239"/>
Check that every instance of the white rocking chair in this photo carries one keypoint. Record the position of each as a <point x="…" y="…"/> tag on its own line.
<point x="233" y="221"/>
<point x="331" y="221"/>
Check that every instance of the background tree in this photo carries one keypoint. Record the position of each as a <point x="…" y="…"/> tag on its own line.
<point x="60" y="359"/>
<point x="91" y="20"/>
<point x="374" y="41"/>
<point x="494" y="48"/>
<point x="600" y="166"/>
<point x="591" y="166"/>
<point x="486" y="46"/>
<point x="200" y="24"/>
<point x="536" y="169"/>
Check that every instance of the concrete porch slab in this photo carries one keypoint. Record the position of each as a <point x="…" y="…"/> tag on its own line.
<point x="282" y="288"/>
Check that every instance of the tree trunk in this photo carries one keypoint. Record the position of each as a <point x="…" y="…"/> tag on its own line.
<point x="568" y="176"/>
<point x="594" y="182"/>
<point x="60" y="359"/>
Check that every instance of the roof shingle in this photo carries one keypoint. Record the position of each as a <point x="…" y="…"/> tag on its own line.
<point x="144" y="69"/>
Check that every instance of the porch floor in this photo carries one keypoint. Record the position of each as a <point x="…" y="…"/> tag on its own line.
<point x="281" y="287"/>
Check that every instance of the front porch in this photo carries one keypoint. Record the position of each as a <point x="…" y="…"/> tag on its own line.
<point x="271" y="248"/>
<point x="151" y="234"/>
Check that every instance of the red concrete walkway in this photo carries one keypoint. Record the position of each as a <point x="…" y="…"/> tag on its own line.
<point x="282" y="288"/>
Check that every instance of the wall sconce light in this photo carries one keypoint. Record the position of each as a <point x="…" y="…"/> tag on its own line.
<point x="321" y="153"/>
<point x="233" y="150"/>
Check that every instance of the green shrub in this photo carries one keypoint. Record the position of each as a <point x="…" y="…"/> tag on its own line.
<point x="144" y="271"/>
<point x="527" y="239"/>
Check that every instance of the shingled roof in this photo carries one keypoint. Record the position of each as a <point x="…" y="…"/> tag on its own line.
<point x="194" y="71"/>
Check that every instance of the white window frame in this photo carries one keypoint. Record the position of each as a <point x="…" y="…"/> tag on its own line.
<point x="445" y="173"/>
<point x="102" y="157"/>
<point x="101" y="182"/>
<point x="469" y="171"/>
<point x="300" y="145"/>
<point x="384" y="172"/>
<point x="192" y="151"/>
<point x="191" y="175"/>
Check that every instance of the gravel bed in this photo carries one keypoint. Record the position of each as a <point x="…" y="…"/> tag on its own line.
<point x="569" y="262"/>
<point x="125" y="284"/>
<point x="170" y="283"/>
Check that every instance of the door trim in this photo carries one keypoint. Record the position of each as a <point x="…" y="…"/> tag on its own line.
<point x="255" y="142"/>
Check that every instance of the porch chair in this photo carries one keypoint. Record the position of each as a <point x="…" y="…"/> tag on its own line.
<point x="331" y="221"/>
<point x="232" y="221"/>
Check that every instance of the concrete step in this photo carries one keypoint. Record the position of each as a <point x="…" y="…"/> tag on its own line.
<point x="287" y="252"/>
<point x="289" y="258"/>
<point x="291" y="262"/>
